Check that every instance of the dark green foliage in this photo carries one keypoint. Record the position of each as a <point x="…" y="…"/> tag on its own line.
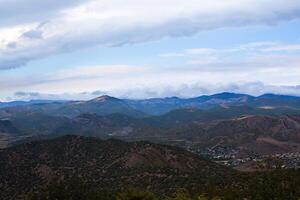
<point x="181" y="194"/>
<point x="134" y="194"/>
<point x="7" y="127"/>
<point x="88" y="168"/>
<point x="110" y="165"/>
<point x="74" y="189"/>
<point x="276" y="185"/>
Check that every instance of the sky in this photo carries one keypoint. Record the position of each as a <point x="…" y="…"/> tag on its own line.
<point x="80" y="49"/>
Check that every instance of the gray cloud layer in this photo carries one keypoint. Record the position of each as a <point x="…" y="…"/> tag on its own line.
<point x="14" y="12"/>
<point x="75" y="24"/>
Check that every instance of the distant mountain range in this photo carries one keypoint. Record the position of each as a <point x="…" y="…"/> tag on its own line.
<point x="106" y="105"/>
<point x="164" y="105"/>
<point x="22" y="103"/>
<point x="225" y="118"/>
<point x="103" y="105"/>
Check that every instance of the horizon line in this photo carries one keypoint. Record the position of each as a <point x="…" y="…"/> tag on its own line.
<point x="150" y="98"/>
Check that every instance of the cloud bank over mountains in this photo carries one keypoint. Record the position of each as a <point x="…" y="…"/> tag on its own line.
<point x="31" y="29"/>
<point x="183" y="91"/>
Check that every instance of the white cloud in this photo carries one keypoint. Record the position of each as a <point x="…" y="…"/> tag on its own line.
<point x="99" y="70"/>
<point x="73" y="24"/>
<point x="206" y="67"/>
<point x="144" y="81"/>
<point x="21" y="95"/>
<point x="264" y="56"/>
<point x="182" y="90"/>
<point x="249" y="48"/>
<point x="287" y="48"/>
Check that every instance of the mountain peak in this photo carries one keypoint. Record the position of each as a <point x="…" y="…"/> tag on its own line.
<point x="268" y="95"/>
<point x="104" y="98"/>
<point x="227" y="95"/>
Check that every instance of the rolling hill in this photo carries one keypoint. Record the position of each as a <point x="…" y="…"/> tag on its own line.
<point x="160" y="106"/>
<point x="110" y="165"/>
<point x="103" y="105"/>
<point x="8" y="133"/>
<point x="260" y="134"/>
<point x="113" y="125"/>
<point x="7" y="127"/>
<point x="188" y="115"/>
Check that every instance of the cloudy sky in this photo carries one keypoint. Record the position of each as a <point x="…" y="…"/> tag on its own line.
<point x="79" y="49"/>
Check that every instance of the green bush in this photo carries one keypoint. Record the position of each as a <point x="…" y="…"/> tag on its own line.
<point x="134" y="194"/>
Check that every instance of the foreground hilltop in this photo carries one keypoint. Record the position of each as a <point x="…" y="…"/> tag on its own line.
<point x="110" y="165"/>
<point x="75" y="167"/>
